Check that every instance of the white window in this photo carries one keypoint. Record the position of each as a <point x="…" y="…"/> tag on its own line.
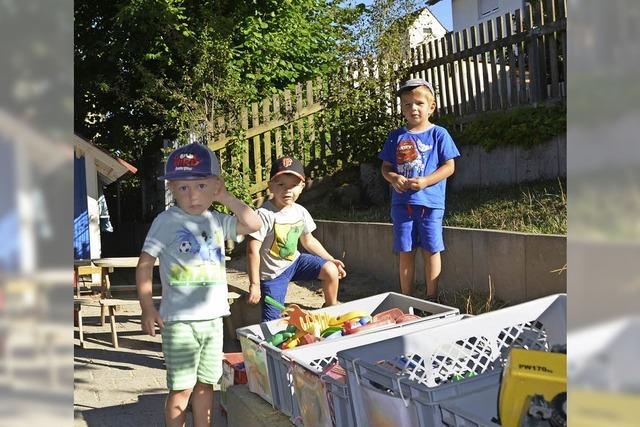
<point x="487" y="7"/>
<point x="428" y="32"/>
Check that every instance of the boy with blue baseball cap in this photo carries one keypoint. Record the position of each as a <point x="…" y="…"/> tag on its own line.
<point x="189" y="239"/>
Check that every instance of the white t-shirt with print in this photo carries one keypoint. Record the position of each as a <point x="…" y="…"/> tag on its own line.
<point x="279" y="234"/>
<point x="190" y="249"/>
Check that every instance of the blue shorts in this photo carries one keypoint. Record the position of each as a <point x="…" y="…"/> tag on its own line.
<point x="417" y="226"/>
<point x="306" y="267"/>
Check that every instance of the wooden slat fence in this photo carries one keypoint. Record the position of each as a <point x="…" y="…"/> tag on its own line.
<point x="510" y="60"/>
<point x="282" y="124"/>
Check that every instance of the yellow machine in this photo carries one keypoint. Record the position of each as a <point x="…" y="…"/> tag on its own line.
<point x="533" y="389"/>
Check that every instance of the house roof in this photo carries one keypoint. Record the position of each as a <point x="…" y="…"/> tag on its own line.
<point x="109" y="168"/>
<point x="411" y="17"/>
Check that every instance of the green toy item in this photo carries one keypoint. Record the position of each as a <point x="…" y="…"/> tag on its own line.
<point x="274" y="303"/>
<point x="280" y="337"/>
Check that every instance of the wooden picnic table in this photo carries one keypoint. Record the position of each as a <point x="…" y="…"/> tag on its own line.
<point x="109" y="264"/>
<point x="105" y="300"/>
<point x="103" y="266"/>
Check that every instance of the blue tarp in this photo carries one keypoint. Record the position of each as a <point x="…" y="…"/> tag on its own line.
<point x="9" y="227"/>
<point x="81" y="246"/>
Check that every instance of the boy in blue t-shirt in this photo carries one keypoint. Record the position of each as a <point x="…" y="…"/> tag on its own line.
<point x="417" y="159"/>
<point x="189" y="241"/>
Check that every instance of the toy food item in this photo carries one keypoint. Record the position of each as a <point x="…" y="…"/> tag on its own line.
<point x="371" y="325"/>
<point x="274" y="303"/>
<point x="407" y="318"/>
<point x="393" y="313"/>
<point x="280" y="337"/>
<point x="356" y="314"/>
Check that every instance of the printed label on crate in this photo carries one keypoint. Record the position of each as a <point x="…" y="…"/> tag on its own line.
<point x="312" y="398"/>
<point x="255" y="362"/>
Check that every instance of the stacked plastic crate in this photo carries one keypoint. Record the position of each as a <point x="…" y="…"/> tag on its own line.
<point x="415" y="378"/>
<point x="268" y="373"/>
<point x="319" y="382"/>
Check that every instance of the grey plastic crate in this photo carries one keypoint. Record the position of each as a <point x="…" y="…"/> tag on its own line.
<point x="389" y="400"/>
<point x="417" y="364"/>
<point x="329" y="397"/>
<point x="477" y="409"/>
<point x="280" y="390"/>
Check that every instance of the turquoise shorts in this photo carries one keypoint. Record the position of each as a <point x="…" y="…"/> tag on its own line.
<point x="192" y="352"/>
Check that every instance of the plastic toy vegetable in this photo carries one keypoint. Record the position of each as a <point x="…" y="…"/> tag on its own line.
<point x="274" y="303"/>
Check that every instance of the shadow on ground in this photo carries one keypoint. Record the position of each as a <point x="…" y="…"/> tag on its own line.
<point x="147" y="408"/>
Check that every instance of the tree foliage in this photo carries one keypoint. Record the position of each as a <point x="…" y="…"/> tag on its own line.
<point x="361" y="102"/>
<point x="146" y="70"/>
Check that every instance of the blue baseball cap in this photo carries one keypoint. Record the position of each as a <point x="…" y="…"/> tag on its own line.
<point x="193" y="161"/>
<point x="412" y="83"/>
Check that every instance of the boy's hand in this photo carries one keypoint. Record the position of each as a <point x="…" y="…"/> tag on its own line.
<point x="151" y="318"/>
<point x="220" y="193"/>
<point x="254" y="294"/>
<point x="341" y="271"/>
<point x="417" y="184"/>
<point x="400" y="183"/>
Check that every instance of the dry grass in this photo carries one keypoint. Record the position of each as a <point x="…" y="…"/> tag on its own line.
<point x="539" y="207"/>
<point x="471" y="301"/>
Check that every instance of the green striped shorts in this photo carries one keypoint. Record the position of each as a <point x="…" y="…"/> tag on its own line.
<point x="192" y="352"/>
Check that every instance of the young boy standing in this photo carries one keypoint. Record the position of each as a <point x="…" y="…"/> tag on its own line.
<point x="272" y="252"/>
<point x="417" y="159"/>
<point x="189" y="240"/>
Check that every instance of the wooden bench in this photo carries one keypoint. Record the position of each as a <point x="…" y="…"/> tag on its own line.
<point x="112" y="303"/>
<point x="109" y="304"/>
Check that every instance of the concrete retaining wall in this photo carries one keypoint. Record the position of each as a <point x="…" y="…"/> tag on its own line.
<point x="520" y="264"/>
<point x="509" y="164"/>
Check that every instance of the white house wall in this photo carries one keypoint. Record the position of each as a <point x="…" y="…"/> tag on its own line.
<point x="425" y="20"/>
<point x="466" y="13"/>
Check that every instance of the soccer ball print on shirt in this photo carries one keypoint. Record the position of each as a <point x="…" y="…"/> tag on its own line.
<point x="203" y="259"/>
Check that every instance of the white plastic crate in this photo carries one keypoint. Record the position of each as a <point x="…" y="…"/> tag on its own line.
<point x="411" y="367"/>
<point x="324" y="401"/>
<point x="268" y="374"/>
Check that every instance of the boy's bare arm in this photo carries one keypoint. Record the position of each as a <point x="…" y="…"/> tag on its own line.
<point x="248" y="219"/>
<point x="314" y="247"/>
<point x="144" y="285"/>
<point x="444" y="171"/>
<point x="253" y="269"/>
<point x="399" y="182"/>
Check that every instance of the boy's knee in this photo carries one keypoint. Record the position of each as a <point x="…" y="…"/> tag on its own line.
<point x="201" y="388"/>
<point x="329" y="271"/>
<point x="181" y="395"/>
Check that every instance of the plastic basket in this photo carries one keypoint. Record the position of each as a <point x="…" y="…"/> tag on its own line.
<point x="275" y="370"/>
<point x="322" y="400"/>
<point x="475" y="409"/>
<point x="412" y="368"/>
